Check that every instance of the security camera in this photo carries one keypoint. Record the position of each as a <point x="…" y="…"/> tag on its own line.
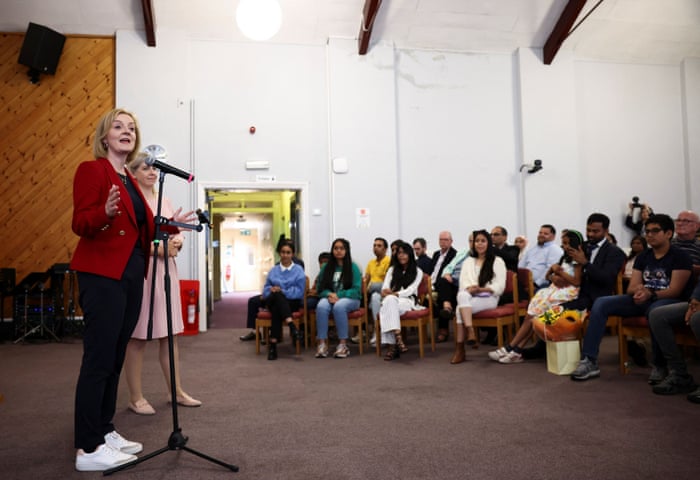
<point x="534" y="168"/>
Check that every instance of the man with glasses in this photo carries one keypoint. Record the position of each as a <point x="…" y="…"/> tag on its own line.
<point x="660" y="277"/>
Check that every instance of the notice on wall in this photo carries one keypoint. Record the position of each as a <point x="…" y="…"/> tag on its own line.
<point x="362" y="218"/>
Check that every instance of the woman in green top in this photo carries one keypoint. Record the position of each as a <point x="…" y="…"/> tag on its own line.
<point x="339" y="287"/>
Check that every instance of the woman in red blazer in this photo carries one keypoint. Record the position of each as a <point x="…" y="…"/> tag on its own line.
<point x="116" y="227"/>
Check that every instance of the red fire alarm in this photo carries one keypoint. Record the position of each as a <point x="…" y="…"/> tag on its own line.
<point x="252" y="130"/>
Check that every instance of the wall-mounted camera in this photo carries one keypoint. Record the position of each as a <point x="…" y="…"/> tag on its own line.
<point x="535" y="167"/>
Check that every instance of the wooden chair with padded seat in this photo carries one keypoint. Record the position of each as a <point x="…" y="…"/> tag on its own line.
<point x="526" y="285"/>
<point x="639" y="327"/>
<point x="357" y="319"/>
<point x="506" y="315"/>
<point x="421" y="319"/>
<point x="263" y="321"/>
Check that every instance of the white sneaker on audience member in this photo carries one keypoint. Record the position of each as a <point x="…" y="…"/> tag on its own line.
<point x="103" y="458"/>
<point x="511" y="357"/>
<point x="496" y="355"/>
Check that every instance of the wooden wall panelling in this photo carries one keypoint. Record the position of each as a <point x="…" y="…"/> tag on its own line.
<point x="47" y="131"/>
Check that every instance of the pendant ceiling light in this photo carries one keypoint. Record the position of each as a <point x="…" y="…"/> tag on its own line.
<point x="259" y="19"/>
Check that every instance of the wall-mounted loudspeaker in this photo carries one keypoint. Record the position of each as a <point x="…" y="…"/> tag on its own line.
<point x="41" y="50"/>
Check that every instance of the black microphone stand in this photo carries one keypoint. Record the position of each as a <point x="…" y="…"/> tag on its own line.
<point x="176" y="441"/>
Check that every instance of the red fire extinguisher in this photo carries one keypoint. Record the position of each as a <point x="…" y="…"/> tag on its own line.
<point x="191" y="307"/>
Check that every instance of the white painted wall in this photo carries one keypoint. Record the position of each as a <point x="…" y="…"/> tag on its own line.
<point x="456" y="144"/>
<point x="433" y="140"/>
<point x="631" y="139"/>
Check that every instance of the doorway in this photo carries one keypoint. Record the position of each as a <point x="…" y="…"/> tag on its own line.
<point x="246" y="226"/>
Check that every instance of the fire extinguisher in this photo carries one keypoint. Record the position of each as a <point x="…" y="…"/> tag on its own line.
<point x="191" y="307"/>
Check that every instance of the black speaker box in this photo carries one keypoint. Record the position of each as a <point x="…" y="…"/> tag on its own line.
<point x="41" y="49"/>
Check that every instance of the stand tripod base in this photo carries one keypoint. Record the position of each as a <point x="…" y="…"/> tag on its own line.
<point x="41" y="328"/>
<point x="177" y="441"/>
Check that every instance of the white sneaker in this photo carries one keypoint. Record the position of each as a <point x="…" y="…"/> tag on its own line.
<point x="341" y="351"/>
<point x="121" y="444"/>
<point x="373" y="340"/>
<point x="511" y="357"/>
<point x="103" y="458"/>
<point x="322" y="350"/>
<point x="496" y="355"/>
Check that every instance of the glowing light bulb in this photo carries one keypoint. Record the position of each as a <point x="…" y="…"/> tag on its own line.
<point x="259" y="20"/>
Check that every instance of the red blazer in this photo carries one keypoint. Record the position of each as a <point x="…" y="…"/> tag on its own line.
<point x="106" y="243"/>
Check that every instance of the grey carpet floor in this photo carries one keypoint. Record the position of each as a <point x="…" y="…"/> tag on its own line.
<point x="357" y="418"/>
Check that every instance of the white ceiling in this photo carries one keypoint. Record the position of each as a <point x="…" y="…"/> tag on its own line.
<point x="636" y="31"/>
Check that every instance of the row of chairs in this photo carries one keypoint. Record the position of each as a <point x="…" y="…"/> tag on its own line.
<point x="505" y="318"/>
<point x="502" y="317"/>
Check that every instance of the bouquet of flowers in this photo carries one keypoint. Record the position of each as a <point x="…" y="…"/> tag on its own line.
<point x="558" y="324"/>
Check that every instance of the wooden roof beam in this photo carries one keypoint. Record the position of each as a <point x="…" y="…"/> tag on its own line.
<point x="149" y="22"/>
<point x="561" y="30"/>
<point x="369" y="13"/>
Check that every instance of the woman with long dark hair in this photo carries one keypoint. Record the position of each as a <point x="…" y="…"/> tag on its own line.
<point x="637" y="245"/>
<point x="340" y="290"/>
<point x="481" y="283"/>
<point x="399" y="294"/>
<point x="569" y="273"/>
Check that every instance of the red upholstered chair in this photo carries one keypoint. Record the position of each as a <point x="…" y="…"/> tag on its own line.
<point x="506" y="315"/>
<point x="264" y="322"/>
<point x="422" y="319"/>
<point x="526" y="285"/>
<point x="639" y="327"/>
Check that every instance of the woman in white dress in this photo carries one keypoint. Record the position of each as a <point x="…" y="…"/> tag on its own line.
<point x="481" y="283"/>
<point x="399" y="294"/>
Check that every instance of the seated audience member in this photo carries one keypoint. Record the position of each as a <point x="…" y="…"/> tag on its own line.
<point x="687" y="225"/>
<point x="601" y="261"/>
<point x="509" y="253"/>
<point x="422" y="259"/>
<point x="568" y="274"/>
<point x="637" y="245"/>
<point x="255" y="303"/>
<point x="399" y="294"/>
<point x="374" y="276"/>
<point x="660" y="277"/>
<point x="662" y="321"/>
<point x="520" y="242"/>
<point x="312" y="297"/>
<point x="442" y="257"/>
<point x="612" y="239"/>
<point x="339" y="290"/>
<point x="539" y="258"/>
<point x="481" y="283"/>
<point x="394" y="245"/>
<point x="446" y="291"/>
<point x="637" y="224"/>
<point x="283" y="294"/>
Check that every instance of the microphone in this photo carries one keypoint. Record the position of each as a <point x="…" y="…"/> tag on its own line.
<point x="167" y="168"/>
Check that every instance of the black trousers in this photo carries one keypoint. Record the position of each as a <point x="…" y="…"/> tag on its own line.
<point x="111" y="310"/>
<point x="446" y="292"/>
<point x="281" y="308"/>
<point x="254" y="304"/>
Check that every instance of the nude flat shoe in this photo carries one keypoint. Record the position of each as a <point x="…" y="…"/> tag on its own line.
<point x="185" y="400"/>
<point x="142" y="407"/>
